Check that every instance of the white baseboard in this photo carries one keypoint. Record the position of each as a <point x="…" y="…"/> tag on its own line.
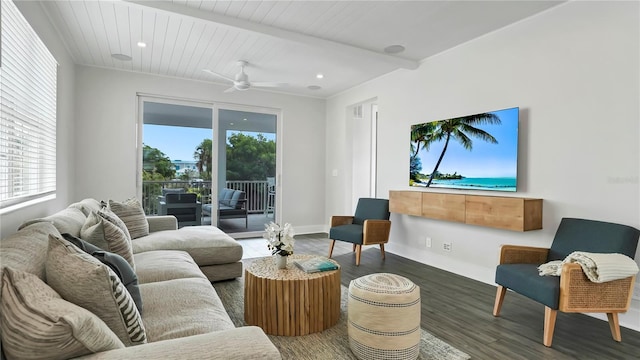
<point x="310" y="229"/>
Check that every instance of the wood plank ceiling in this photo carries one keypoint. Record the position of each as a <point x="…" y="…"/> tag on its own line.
<point x="283" y="41"/>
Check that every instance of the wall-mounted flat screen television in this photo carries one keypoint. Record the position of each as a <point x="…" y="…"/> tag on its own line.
<point x="475" y="152"/>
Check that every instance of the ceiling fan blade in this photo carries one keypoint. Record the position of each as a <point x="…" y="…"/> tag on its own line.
<point x="231" y="89"/>
<point x="218" y="75"/>
<point x="268" y="84"/>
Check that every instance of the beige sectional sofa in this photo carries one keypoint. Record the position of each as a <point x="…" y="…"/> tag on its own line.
<point x="182" y="314"/>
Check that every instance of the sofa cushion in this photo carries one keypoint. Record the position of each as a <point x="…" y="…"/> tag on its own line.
<point x="207" y="245"/>
<point x="68" y="220"/>
<point x="225" y="196"/>
<point x="116" y="262"/>
<point x="132" y="213"/>
<point x="235" y="199"/>
<point x="86" y="282"/>
<point x="104" y="234"/>
<point x="161" y="265"/>
<point x="182" y="307"/>
<point x="38" y="324"/>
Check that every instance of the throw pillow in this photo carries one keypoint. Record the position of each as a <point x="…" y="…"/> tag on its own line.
<point x="110" y="216"/>
<point x="132" y="214"/>
<point x="116" y="262"/>
<point x="86" y="282"/>
<point x="38" y="324"/>
<point x="107" y="236"/>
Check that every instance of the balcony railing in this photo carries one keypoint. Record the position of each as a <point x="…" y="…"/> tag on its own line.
<point x="256" y="191"/>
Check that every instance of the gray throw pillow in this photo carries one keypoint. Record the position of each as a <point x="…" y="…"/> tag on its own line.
<point x="116" y="262"/>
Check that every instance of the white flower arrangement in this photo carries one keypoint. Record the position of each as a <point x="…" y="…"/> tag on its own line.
<point x="280" y="238"/>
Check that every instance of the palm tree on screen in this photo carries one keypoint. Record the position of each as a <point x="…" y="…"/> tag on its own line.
<point x="421" y="134"/>
<point x="460" y="129"/>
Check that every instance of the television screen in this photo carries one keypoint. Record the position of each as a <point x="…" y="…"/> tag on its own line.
<point x="478" y="151"/>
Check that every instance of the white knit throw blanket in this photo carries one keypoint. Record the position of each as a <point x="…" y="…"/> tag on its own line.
<point x="598" y="267"/>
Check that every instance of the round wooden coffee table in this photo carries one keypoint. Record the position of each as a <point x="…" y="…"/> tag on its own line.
<point x="290" y="302"/>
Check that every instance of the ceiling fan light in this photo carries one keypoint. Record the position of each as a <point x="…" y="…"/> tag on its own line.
<point x="242" y="86"/>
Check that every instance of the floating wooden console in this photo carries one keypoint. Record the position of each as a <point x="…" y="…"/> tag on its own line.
<point x="502" y="212"/>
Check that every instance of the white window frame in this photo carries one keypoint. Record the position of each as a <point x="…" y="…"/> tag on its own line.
<point x="28" y="100"/>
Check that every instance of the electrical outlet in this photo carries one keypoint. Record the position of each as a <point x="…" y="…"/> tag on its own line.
<point x="427" y="242"/>
<point x="446" y="246"/>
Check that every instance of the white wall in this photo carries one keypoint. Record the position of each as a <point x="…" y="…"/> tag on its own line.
<point x="9" y="223"/>
<point x="106" y="115"/>
<point x="574" y="73"/>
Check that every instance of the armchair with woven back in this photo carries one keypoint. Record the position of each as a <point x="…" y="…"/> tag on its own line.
<point x="572" y="291"/>
<point x="370" y="225"/>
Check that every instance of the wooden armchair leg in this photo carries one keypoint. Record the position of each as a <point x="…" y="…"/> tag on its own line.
<point x="358" y="249"/>
<point x="549" y="325"/>
<point x="614" y="325"/>
<point x="382" y="250"/>
<point x="354" y="247"/>
<point x="333" y="243"/>
<point x="497" y="306"/>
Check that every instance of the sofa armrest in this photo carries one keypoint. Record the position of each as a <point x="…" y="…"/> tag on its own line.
<point x="163" y="222"/>
<point x="248" y="342"/>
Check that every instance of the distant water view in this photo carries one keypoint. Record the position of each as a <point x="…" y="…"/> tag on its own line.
<point x="503" y="184"/>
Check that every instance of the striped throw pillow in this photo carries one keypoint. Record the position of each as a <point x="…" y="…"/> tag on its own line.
<point x="132" y="214"/>
<point x="111" y="217"/>
<point x="38" y="324"/>
<point x="83" y="280"/>
<point x="104" y="234"/>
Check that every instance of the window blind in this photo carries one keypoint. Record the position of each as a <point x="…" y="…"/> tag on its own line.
<point x="28" y="77"/>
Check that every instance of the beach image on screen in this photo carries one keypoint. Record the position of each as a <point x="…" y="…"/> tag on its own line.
<point x="477" y="151"/>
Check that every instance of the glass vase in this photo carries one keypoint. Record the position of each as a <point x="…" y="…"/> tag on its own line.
<point x="281" y="261"/>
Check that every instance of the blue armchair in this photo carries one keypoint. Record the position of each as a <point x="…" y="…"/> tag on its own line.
<point x="369" y="226"/>
<point x="572" y="291"/>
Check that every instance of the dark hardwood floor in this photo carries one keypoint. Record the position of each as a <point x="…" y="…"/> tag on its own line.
<point x="458" y="310"/>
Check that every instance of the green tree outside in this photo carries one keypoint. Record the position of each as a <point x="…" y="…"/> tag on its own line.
<point x="156" y="165"/>
<point x="250" y="158"/>
<point x="204" y="158"/>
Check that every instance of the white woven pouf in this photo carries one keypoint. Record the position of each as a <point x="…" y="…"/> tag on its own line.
<point x="384" y="317"/>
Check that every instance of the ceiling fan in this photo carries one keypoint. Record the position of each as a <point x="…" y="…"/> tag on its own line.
<point x="241" y="81"/>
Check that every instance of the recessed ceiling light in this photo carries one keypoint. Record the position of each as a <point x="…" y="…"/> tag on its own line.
<point x="244" y="119"/>
<point x="231" y="124"/>
<point x="319" y="76"/>
<point x="314" y="87"/>
<point x="394" y="49"/>
<point x="142" y="44"/>
<point x="121" y="57"/>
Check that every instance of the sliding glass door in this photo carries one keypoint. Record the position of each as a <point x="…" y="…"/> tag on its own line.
<point x="176" y="159"/>
<point x="209" y="164"/>
<point x="246" y="169"/>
